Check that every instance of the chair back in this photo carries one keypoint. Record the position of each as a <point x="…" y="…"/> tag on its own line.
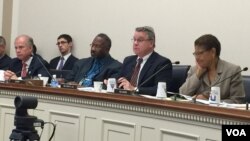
<point x="246" y="82"/>
<point x="179" y="75"/>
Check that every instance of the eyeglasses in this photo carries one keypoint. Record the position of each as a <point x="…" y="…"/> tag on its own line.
<point x="62" y="42"/>
<point x="140" y="40"/>
<point x="199" y="53"/>
<point x="95" y="45"/>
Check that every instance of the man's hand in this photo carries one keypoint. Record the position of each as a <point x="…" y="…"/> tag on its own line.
<point x="201" y="96"/>
<point x="9" y="75"/>
<point x="123" y="82"/>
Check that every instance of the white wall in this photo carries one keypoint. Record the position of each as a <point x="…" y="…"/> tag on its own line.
<point x="1" y="16"/>
<point x="177" y="24"/>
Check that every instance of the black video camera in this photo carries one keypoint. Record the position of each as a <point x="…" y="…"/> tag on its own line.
<point x="25" y="124"/>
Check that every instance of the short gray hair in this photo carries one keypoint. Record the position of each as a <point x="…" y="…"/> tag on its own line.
<point x="28" y="39"/>
<point x="149" y="30"/>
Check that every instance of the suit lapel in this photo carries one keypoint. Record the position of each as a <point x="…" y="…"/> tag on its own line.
<point x="67" y="62"/>
<point x="107" y="61"/>
<point x="146" y="67"/>
<point x="87" y="66"/>
<point x="219" y="70"/>
<point x="32" y="65"/>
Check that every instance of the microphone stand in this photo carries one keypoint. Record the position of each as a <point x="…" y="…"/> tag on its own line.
<point x="136" y="90"/>
<point x="44" y="66"/>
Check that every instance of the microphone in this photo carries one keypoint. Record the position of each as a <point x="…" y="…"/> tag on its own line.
<point x="176" y="62"/>
<point x="244" y="69"/>
<point x="44" y="66"/>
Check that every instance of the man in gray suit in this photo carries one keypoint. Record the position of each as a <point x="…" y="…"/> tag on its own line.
<point x="210" y="71"/>
<point x="98" y="67"/>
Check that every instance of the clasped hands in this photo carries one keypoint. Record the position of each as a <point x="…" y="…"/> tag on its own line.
<point x="9" y="75"/>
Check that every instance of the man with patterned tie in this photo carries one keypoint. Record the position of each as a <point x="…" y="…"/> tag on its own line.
<point x="98" y="67"/>
<point x="66" y="60"/>
<point x="26" y="64"/>
<point x="136" y="69"/>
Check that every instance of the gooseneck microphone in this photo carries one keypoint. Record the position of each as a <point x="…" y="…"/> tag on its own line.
<point x="44" y="66"/>
<point x="137" y="89"/>
<point x="244" y="69"/>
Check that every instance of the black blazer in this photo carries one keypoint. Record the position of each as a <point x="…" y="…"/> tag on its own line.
<point x="153" y="64"/>
<point x="34" y="69"/>
<point x="5" y="62"/>
<point x="68" y="65"/>
<point x="110" y="69"/>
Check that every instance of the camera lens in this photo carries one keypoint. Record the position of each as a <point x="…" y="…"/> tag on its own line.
<point x="26" y="102"/>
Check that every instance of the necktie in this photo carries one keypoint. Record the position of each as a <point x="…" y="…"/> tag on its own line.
<point x="24" y="70"/>
<point x="87" y="81"/>
<point x="133" y="80"/>
<point x="61" y="63"/>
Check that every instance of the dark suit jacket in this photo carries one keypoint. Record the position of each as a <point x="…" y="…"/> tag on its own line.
<point x="153" y="64"/>
<point x="4" y="62"/>
<point x="110" y="69"/>
<point x="68" y="65"/>
<point x="34" y="69"/>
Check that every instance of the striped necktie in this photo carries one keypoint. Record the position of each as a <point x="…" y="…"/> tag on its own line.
<point x="61" y="63"/>
<point x="24" y="70"/>
<point x="133" y="80"/>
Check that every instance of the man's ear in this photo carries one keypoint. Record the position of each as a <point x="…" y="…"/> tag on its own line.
<point x="71" y="44"/>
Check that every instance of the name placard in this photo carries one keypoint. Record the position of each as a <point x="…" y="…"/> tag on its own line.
<point x="122" y="91"/>
<point x="68" y="86"/>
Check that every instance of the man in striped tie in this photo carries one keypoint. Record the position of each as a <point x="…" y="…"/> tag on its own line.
<point x="26" y="64"/>
<point x="138" y="68"/>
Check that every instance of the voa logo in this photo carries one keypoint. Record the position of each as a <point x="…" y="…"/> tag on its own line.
<point x="236" y="132"/>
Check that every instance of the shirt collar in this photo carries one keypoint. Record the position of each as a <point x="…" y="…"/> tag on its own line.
<point x="28" y="62"/>
<point x="145" y="58"/>
<point x="66" y="56"/>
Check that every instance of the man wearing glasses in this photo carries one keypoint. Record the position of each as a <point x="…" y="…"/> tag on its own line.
<point x="66" y="60"/>
<point x="98" y="67"/>
<point x="210" y="70"/>
<point x="139" y="67"/>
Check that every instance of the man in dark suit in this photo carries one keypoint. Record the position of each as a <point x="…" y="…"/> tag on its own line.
<point x="26" y="64"/>
<point x="66" y="60"/>
<point x="5" y="60"/>
<point x="138" y="68"/>
<point x="98" y="67"/>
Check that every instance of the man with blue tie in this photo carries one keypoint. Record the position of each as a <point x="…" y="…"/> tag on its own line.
<point x="98" y="67"/>
<point x="138" y="68"/>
